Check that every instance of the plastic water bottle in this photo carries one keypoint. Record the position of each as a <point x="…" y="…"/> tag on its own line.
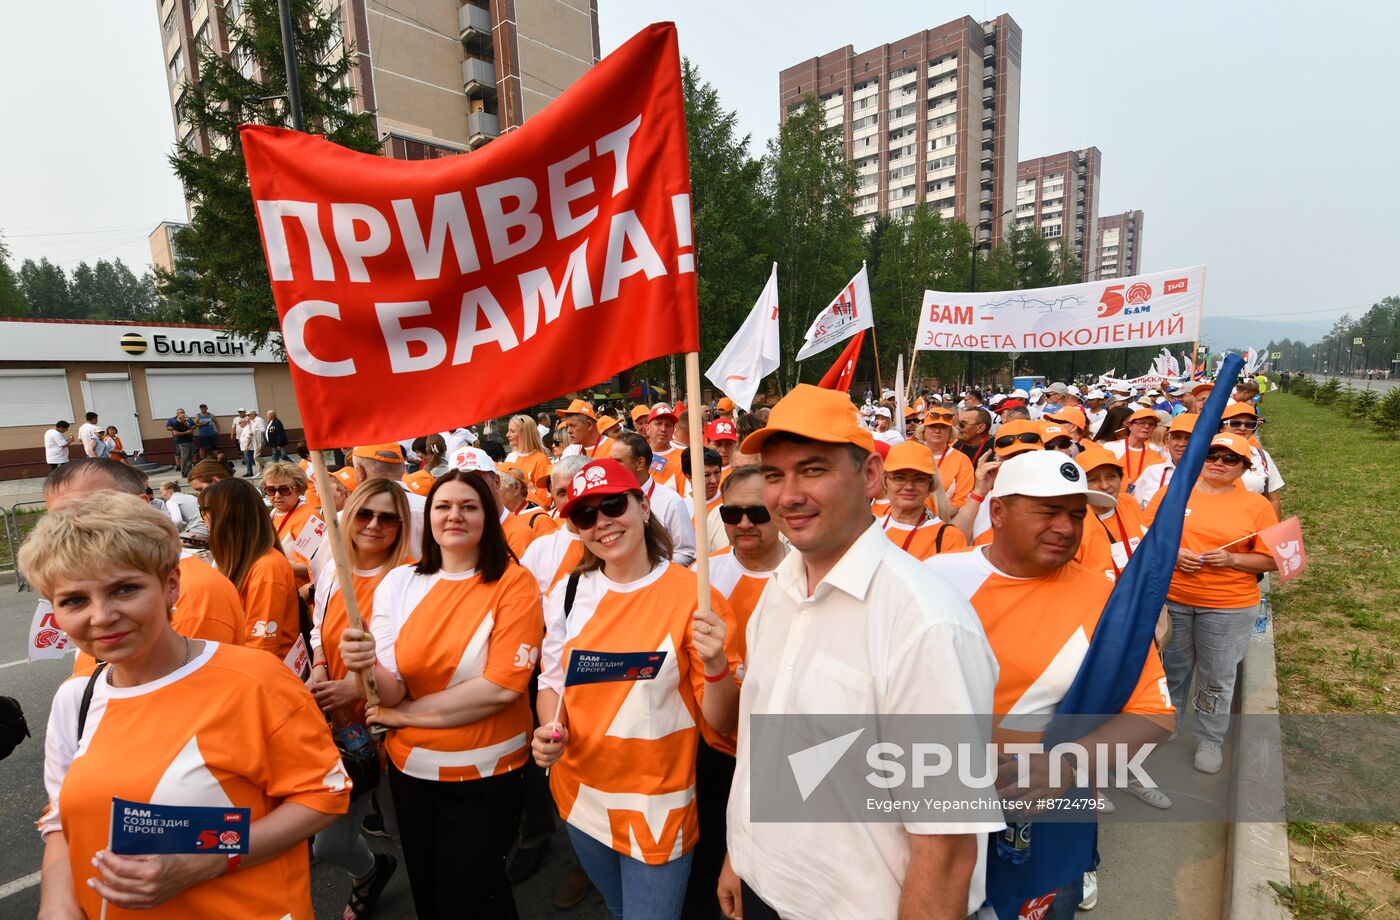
<point x="1014" y="844"/>
<point x="350" y="736"/>
<point x="1261" y="620"/>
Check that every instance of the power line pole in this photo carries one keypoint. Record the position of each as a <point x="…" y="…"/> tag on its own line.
<point x="289" y="60"/>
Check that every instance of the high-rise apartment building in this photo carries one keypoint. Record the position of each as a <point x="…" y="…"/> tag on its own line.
<point x="933" y="117"/>
<point x="441" y="76"/>
<point x="1119" y="245"/>
<point x="1059" y="196"/>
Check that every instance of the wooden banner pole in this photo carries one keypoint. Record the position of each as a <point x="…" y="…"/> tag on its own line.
<point x="325" y="487"/>
<point x="694" y="430"/>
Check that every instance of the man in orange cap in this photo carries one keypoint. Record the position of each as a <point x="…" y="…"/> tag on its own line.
<point x="1137" y="450"/>
<point x="584" y="437"/>
<point x="724" y="407"/>
<point x="639" y="416"/>
<point x="954" y="469"/>
<point x="1197" y="397"/>
<point x="1155" y="478"/>
<point x="909" y="479"/>
<point x="1071" y="417"/>
<point x="851" y="618"/>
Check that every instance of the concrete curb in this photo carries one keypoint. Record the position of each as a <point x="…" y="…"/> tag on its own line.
<point x="1256" y="853"/>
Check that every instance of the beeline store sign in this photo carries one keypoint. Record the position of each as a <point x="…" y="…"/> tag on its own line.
<point x="22" y="340"/>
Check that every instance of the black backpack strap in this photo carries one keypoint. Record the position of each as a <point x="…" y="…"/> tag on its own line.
<point x="87" y="698"/>
<point x="938" y="537"/>
<point x="570" y="592"/>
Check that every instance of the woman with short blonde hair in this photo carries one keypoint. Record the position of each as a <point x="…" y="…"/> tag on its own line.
<point x="110" y="566"/>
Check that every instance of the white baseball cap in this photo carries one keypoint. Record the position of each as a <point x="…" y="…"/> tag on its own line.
<point x="1096" y="393"/>
<point x="1020" y="393"/>
<point x="469" y="459"/>
<point x="997" y="399"/>
<point x="1036" y="392"/>
<point x="1074" y="390"/>
<point x="884" y="412"/>
<point x="1046" y="474"/>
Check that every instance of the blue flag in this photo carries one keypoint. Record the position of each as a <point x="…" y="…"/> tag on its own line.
<point x="1060" y="852"/>
<point x="139" y="829"/>
<point x="587" y="667"/>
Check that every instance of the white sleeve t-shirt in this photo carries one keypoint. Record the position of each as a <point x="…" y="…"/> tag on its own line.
<point x="55" y="446"/>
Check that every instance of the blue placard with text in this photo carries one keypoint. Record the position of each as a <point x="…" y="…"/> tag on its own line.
<point x="139" y="829"/>
<point x="587" y="667"/>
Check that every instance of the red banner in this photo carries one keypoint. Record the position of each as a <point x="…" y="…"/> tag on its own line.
<point x="844" y="369"/>
<point x="421" y="296"/>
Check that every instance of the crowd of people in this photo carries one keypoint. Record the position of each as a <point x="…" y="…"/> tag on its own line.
<point x="953" y="561"/>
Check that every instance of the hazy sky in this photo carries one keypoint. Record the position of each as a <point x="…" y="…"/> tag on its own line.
<point x="1262" y="143"/>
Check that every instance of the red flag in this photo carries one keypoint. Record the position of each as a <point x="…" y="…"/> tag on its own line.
<point x="839" y="377"/>
<point x="1284" y="541"/>
<point x="418" y="296"/>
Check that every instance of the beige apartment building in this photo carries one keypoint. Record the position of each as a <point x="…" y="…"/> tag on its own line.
<point x="1059" y="196"/>
<point x="932" y="117"/>
<point x="1120" y="245"/>
<point x="441" y="77"/>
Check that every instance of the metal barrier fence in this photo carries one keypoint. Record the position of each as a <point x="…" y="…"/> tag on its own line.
<point x="14" y="536"/>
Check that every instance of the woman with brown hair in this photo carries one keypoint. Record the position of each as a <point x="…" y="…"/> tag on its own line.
<point x="244" y="546"/>
<point x="376" y="540"/>
<point x="453" y="642"/>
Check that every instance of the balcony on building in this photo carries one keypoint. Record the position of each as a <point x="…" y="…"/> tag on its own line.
<point x="478" y="77"/>
<point x="474" y="23"/>
<point x="481" y="127"/>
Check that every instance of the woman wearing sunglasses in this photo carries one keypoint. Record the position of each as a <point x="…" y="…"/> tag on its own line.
<point x="284" y="485"/>
<point x="1263" y="476"/>
<point x="623" y="752"/>
<point x="244" y="546"/>
<point x="376" y="542"/>
<point x="1214" y="593"/>
<point x="954" y="469"/>
<point x="453" y="643"/>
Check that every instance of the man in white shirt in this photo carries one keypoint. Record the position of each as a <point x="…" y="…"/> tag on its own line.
<point x="853" y="625"/>
<point x="632" y="451"/>
<point x="88" y="433"/>
<point x="1095" y="411"/>
<point x="884" y="430"/>
<point x="56" y="441"/>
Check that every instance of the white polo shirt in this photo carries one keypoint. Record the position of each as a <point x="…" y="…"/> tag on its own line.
<point x="55" y="447"/>
<point x="881" y="634"/>
<point x="674" y="514"/>
<point x="1153" y="480"/>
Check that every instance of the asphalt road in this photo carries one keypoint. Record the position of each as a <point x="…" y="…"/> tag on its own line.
<point x="1177" y="868"/>
<point x="1356" y="383"/>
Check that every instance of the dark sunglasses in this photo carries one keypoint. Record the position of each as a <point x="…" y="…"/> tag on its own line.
<point x="277" y="490"/>
<point x="1029" y="437"/>
<point x="733" y="514"/>
<point x="586" y="516"/>
<point x="1248" y="424"/>
<point x="1059" y="444"/>
<point x="365" y="516"/>
<point x="1228" y="458"/>
<point x="942" y="415"/>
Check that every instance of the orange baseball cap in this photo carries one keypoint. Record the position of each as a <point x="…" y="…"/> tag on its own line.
<point x="812" y="412"/>
<point x="1072" y="415"/>
<point x="605" y="422"/>
<point x="1203" y="386"/>
<point x="940" y="416"/>
<point x="1233" y="443"/>
<point x="1093" y="456"/>
<point x="909" y="455"/>
<point x="1186" y="422"/>
<point x="578" y="407"/>
<point x="1049" y="431"/>
<point x="419" y="483"/>
<point x="1236" y="409"/>
<point x="510" y="469"/>
<point x="386" y="453"/>
<point x="639" y="413"/>
<point x="1141" y="415"/>
<point x="1018" y="431"/>
<point x="724" y="404"/>
<point x="347" y="477"/>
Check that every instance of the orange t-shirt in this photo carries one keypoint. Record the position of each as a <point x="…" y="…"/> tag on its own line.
<point x="666" y="468"/>
<point x="330" y="619"/>
<point x="1039" y="629"/>
<point x="1135" y="459"/>
<point x="269" y="595"/>
<point x="741" y="587"/>
<point x="928" y="538"/>
<point x="233" y="728"/>
<point x="956" y="473"/>
<point x="436" y="631"/>
<point x="288" y="527"/>
<point x="627" y="776"/>
<point x="519" y="533"/>
<point x="536" y="466"/>
<point x="552" y="557"/>
<point x="539" y="520"/>
<point x="1212" y="521"/>
<point x="1109" y="542"/>
<point x="208" y="608"/>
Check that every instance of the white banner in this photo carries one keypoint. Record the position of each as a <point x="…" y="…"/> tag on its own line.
<point x="754" y="351"/>
<point x="848" y="314"/>
<point x="1119" y="313"/>
<point x="46" y="639"/>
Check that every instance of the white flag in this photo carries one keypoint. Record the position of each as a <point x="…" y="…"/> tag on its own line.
<point x="46" y="639"/>
<point x="848" y="314"/>
<point x="753" y="352"/>
<point x="899" y="397"/>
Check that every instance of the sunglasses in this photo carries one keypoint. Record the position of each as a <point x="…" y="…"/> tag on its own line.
<point x="585" y="517"/>
<point x="277" y="490"/>
<point x="364" y="517"/>
<point x="733" y="514"/>
<point x="1248" y="424"/>
<point x="1006" y="440"/>
<point x="941" y="414"/>
<point x="1225" y="457"/>
<point x="1059" y="444"/>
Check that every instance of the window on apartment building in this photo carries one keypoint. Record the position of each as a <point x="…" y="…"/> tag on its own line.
<point x="169" y="25"/>
<point x="942" y="162"/>
<point x="1053" y="231"/>
<point x="177" y="67"/>
<point x="865" y="122"/>
<point x="181" y="114"/>
<point x="201" y="38"/>
<point x="233" y="9"/>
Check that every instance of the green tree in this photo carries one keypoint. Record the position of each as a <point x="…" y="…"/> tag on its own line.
<point x="728" y="211"/>
<point x="46" y="290"/>
<point x="12" y="303"/>
<point x="1386" y="416"/>
<point x="219" y="265"/>
<point x="812" y="224"/>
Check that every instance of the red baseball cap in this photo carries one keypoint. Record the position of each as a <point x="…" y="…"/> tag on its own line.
<point x="721" y="429"/>
<point x="662" y="410"/>
<point x="601" y="477"/>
